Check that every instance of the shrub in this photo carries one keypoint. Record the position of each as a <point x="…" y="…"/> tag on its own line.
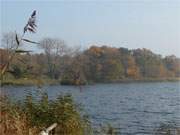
<point x="31" y="115"/>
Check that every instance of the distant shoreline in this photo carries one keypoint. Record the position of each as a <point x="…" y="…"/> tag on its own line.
<point x="41" y="82"/>
<point x="145" y="80"/>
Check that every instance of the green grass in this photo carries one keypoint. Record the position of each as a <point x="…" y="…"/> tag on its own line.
<point x="30" y="81"/>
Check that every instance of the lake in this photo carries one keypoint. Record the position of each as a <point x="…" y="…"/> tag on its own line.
<point x="131" y="108"/>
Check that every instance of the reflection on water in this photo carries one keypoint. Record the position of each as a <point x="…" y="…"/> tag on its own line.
<point x="130" y="108"/>
<point x="163" y="129"/>
<point x="167" y="129"/>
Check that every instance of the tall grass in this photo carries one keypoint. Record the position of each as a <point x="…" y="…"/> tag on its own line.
<point x="30" y="116"/>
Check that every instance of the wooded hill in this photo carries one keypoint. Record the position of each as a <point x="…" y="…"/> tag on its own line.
<point x="96" y="64"/>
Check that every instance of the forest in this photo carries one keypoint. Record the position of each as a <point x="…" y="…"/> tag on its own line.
<point x="71" y="65"/>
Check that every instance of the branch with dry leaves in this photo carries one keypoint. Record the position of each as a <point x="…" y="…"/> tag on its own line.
<point x="29" y="27"/>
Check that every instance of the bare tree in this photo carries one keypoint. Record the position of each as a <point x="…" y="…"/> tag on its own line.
<point x="11" y="39"/>
<point x="53" y="49"/>
<point x="8" y="41"/>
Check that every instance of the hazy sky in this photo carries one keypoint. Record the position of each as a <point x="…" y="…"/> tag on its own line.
<point x="152" y="24"/>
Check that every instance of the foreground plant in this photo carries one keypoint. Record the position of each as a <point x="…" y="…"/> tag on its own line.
<point x="31" y="116"/>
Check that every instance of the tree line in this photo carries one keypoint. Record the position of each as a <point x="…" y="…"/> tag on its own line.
<point x="72" y="65"/>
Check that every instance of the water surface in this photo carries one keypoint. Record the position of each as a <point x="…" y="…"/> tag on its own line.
<point x="131" y="108"/>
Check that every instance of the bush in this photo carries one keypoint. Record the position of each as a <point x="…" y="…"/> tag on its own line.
<point x="30" y="116"/>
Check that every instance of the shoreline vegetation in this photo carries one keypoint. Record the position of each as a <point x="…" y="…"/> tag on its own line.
<point x="41" y="82"/>
<point x="60" y="64"/>
<point x="31" y="116"/>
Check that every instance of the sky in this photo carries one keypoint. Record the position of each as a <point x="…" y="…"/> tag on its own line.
<point x="151" y="24"/>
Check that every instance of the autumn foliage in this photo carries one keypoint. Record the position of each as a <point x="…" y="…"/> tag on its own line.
<point x="96" y="64"/>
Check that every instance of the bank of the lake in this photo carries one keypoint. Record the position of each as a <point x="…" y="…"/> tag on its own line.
<point x="29" y="82"/>
<point x="48" y="81"/>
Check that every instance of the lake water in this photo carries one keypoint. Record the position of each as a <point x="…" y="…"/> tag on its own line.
<point x="131" y="108"/>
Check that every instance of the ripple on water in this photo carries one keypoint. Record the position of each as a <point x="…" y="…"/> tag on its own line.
<point x="131" y="108"/>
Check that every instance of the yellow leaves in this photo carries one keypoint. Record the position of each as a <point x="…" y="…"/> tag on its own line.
<point x="133" y="72"/>
<point x="96" y="50"/>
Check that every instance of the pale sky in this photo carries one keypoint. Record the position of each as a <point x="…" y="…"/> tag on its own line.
<point x="152" y="24"/>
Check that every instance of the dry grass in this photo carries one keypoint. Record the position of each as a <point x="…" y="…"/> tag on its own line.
<point x="15" y="125"/>
<point x="30" y="118"/>
<point x="12" y="121"/>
